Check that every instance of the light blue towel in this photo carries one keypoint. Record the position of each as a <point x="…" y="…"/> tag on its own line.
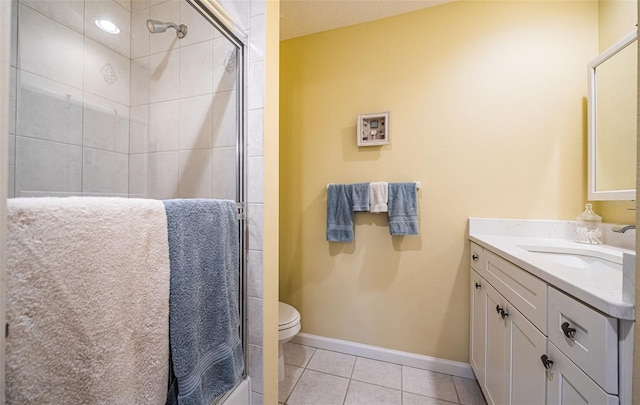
<point x="339" y="213"/>
<point x="403" y="209"/>
<point x="204" y="319"/>
<point x="360" y="196"/>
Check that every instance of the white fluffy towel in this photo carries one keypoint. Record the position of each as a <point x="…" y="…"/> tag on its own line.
<point x="378" y="196"/>
<point x="88" y="301"/>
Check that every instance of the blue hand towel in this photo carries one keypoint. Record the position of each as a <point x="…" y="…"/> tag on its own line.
<point x="360" y="196"/>
<point x="339" y="213"/>
<point x="403" y="209"/>
<point x="204" y="320"/>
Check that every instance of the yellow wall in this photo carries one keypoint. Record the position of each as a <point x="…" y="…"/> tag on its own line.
<point x="616" y="18"/>
<point x="488" y="112"/>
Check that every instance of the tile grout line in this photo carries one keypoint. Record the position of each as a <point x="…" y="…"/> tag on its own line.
<point x="353" y="368"/>
<point x="304" y="368"/>
<point x="455" y="387"/>
<point x="401" y="384"/>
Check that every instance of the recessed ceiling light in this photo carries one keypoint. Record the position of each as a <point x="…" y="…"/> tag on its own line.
<point x="107" y="26"/>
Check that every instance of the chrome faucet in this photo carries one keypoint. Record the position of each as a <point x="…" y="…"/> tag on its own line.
<point x="622" y="228"/>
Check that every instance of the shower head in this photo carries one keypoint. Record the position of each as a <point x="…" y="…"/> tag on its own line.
<point x="155" y="27"/>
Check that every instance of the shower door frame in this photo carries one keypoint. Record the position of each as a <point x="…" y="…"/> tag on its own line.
<point x="213" y="12"/>
<point x="5" y="67"/>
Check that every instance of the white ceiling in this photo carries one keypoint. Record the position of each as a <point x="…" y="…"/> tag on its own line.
<point x="304" y="17"/>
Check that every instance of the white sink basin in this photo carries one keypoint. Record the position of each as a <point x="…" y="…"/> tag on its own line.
<point x="577" y="256"/>
<point x="594" y="258"/>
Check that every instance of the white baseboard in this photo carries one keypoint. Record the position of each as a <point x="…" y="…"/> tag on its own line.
<point x="391" y="356"/>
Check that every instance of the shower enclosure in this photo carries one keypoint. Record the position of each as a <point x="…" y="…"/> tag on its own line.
<point x="115" y="98"/>
<point x="126" y="112"/>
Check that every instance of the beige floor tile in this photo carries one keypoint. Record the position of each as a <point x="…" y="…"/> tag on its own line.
<point x="428" y="383"/>
<point x="415" y="399"/>
<point x="332" y="363"/>
<point x="360" y="393"/>
<point x="378" y="372"/>
<point x="297" y="355"/>
<point x="316" y="388"/>
<point x="469" y="391"/>
<point x="291" y="376"/>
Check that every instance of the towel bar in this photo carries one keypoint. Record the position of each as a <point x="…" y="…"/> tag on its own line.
<point x="417" y="185"/>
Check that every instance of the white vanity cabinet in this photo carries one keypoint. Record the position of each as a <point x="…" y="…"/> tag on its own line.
<point x="513" y="372"/>
<point x="533" y="344"/>
<point x="505" y="347"/>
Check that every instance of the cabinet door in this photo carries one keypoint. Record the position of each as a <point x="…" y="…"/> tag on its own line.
<point x="497" y="348"/>
<point x="476" y="344"/>
<point x="568" y="385"/>
<point x="593" y="344"/>
<point x="527" y="371"/>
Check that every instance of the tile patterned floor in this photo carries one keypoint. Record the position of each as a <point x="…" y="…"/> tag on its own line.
<point x="321" y="377"/>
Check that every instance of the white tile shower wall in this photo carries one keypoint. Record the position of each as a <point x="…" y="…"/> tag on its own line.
<point x="106" y="72"/>
<point x="199" y="28"/>
<point x="118" y="15"/>
<point x="255" y="21"/>
<point x="49" y="49"/>
<point x="66" y="12"/>
<point x="224" y="118"/>
<point x="164" y="74"/>
<point x="139" y="33"/>
<point x="71" y="102"/>
<point x="105" y="172"/>
<point x="76" y="85"/>
<point x="195" y="168"/>
<point x="44" y="166"/>
<point x="140" y="81"/>
<point x="48" y="110"/>
<point x="106" y="124"/>
<point x="196" y="64"/>
<point x="196" y="122"/>
<point x="165" y="11"/>
<point x="189" y="91"/>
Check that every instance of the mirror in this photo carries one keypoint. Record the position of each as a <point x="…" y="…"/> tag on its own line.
<point x="612" y="121"/>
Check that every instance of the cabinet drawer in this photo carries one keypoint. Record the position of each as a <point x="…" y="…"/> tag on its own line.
<point x="568" y="385"/>
<point x="476" y="257"/>
<point x="591" y="342"/>
<point x="525" y="291"/>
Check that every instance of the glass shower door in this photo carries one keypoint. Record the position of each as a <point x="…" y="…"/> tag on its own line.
<point x="101" y="106"/>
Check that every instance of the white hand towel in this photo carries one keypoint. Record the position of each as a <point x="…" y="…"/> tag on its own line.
<point x="378" y="195"/>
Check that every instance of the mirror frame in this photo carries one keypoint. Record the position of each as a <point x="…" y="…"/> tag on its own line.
<point x="595" y="195"/>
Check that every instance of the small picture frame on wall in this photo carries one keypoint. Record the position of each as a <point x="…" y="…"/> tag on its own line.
<point x="373" y="129"/>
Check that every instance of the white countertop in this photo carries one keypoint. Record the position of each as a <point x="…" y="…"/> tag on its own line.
<point x="601" y="289"/>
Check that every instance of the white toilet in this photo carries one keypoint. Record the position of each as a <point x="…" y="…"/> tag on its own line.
<point x="288" y="327"/>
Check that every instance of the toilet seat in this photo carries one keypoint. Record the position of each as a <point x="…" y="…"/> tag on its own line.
<point x="288" y="327"/>
<point x="288" y="316"/>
